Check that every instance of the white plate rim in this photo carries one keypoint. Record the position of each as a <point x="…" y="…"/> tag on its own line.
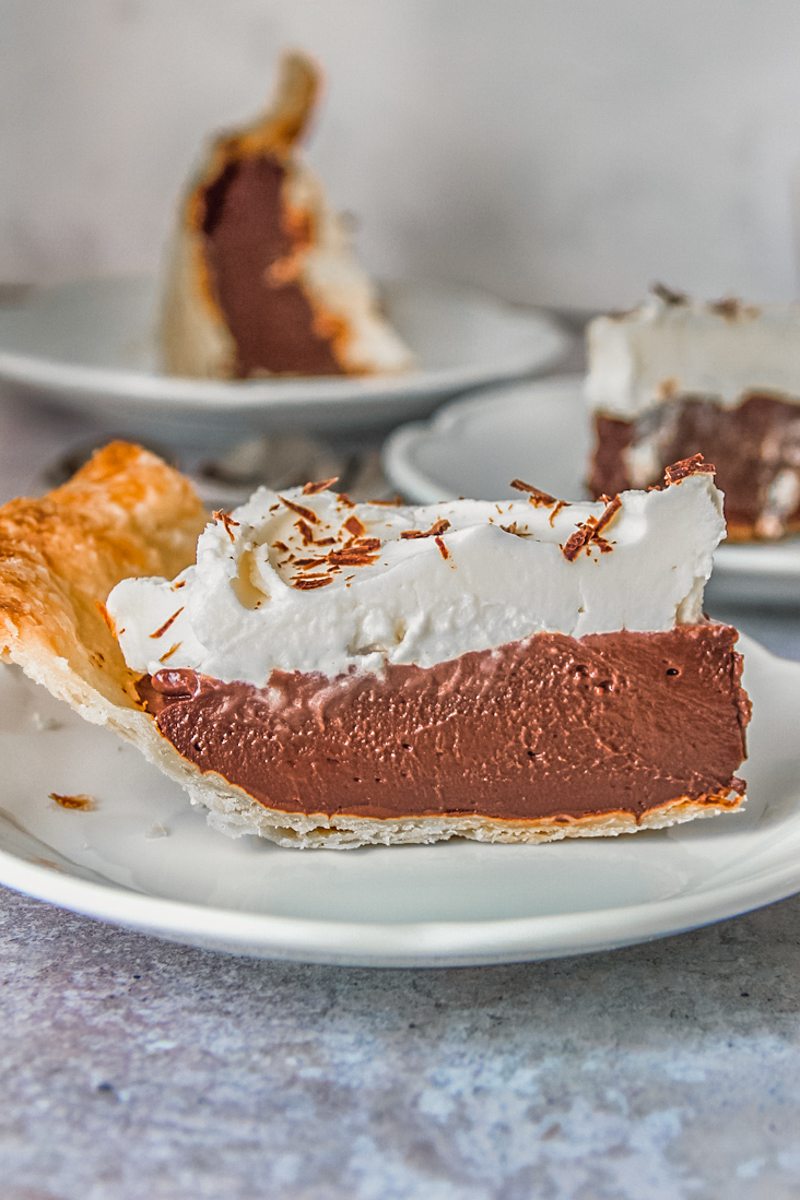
<point x="59" y="378"/>
<point x="765" y="558"/>
<point x="409" y="944"/>
<point x="398" y="463"/>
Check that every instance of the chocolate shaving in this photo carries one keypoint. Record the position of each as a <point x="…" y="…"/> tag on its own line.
<point x="311" y="489"/>
<point x="280" y="546"/>
<point x="306" y="585"/>
<point x="180" y="584"/>
<point x="445" y="553"/>
<point x="169" y="653"/>
<point x="687" y="467"/>
<point x="355" y="526"/>
<point x="668" y="295"/>
<point x="227" y="521"/>
<point x="162" y="629"/>
<point x="515" y="529"/>
<point x="613" y="505"/>
<point x="589" y="533"/>
<point x="359" y="552"/>
<point x="576" y="542"/>
<point x="440" y="526"/>
<point x="561" y="504"/>
<point x="354" y="556"/>
<point x="306" y="532"/>
<point x="370" y="545"/>
<point x="80" y="802"/>
<point x="535" y="496"/>
<point x="307" y="514"/>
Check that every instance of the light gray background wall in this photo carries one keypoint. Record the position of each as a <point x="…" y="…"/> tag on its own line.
<point x="559" y="150"/>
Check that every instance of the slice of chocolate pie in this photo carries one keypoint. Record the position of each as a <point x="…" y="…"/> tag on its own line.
<point x="676" y="377"/>
<point x="326" y="673"/>
<point x="261" y="277"/>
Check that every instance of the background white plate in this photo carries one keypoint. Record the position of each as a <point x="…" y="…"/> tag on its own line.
<point x="539" y="431"/>
<point x="90" y="345"/>
<point x="146" y="860"/>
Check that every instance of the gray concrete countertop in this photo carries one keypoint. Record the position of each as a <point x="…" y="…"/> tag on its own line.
<point x="132" y="1068"/>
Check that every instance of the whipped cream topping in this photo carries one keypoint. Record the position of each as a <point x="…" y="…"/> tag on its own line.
<point x="672" y="346"/>
<point x="312" y="583"/>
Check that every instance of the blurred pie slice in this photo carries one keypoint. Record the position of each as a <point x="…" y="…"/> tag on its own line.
<point x="676" y="377"/>
<point x="261" y="278"/>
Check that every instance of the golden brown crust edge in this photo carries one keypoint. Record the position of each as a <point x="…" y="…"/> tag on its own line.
<point x="234" y="813"/>
<point x="127" y="513"/>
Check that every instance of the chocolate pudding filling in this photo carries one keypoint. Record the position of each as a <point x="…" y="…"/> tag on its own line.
<point x="552" y="727"/>
<point x="250" y="249"/>
<point x="754" y="446"/>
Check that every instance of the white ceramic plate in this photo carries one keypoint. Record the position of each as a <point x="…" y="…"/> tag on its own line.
<point x="539" y="431"/>
<point x="146" y="860"/>
<point x="91" y="346"/>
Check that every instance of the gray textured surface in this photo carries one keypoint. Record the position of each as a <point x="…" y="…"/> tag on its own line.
<point x="132" y="1068"/>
